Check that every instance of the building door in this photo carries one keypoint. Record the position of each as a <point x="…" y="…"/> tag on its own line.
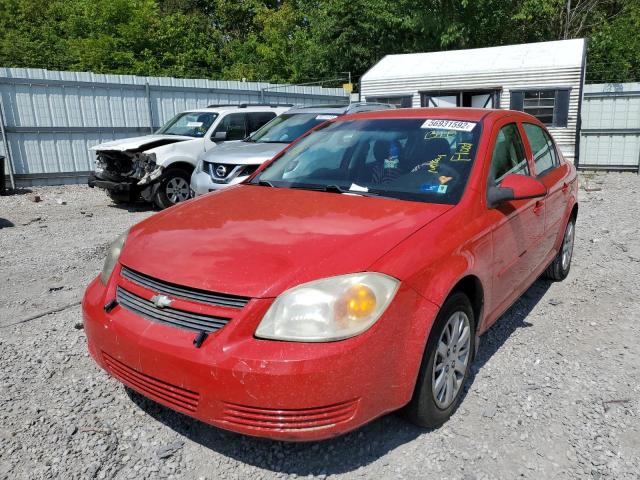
<point x="461" y="98"/>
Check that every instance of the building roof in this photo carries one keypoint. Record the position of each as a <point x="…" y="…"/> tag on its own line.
<point x="543" y="55"/>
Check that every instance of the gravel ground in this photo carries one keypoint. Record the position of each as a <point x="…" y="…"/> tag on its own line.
<point x="554" y="393"/>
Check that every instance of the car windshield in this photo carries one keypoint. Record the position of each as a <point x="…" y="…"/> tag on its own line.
<point x="426" y="160"/>
<point x="189" y="124"/>
<point x="288" y="127"/>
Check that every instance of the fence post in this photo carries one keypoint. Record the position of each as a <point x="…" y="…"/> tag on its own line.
<point x="147" y="90"/>
<point x="7" y="147"/>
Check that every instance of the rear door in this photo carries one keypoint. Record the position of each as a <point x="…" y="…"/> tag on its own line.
<point x="553" y="173"/>
<point x="518" y="226"/>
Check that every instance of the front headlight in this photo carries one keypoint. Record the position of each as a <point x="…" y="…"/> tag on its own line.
<point x="330" y="309"/>
<point x="112" y="257"/>
<point x="199" y="166"/>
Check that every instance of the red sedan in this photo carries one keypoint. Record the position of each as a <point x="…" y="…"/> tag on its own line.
<point x="349" y="277"/>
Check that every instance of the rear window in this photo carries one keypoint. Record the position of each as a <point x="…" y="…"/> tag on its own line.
<point x="409" y="159"/>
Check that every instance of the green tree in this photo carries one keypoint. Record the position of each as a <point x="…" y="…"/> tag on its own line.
<point x="300" y="40"/>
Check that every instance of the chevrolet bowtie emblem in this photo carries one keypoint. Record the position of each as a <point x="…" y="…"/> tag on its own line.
<point x="161" y="301"/>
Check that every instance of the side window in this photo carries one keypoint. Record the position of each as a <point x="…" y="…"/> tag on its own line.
<point x="508" y="155"/>
<point x="552" y="149"/>
<point x="258" y="119"/>
<point x="544" y="153"/>
<point x="234" y="125"/>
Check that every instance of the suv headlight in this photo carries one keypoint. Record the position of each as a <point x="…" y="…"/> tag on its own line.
<point x="112" y="257"/>
<point x="330" y="309"/>
<point x="199" y="166"/>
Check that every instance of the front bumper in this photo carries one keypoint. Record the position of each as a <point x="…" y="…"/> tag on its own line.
<point x="119" y="187"/>
<point x="201" y="183"/>
<point x="280" y="390"/>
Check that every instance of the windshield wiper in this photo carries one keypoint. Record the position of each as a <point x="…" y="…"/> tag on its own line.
<point x="349" y="191"/>
<point x="335" y="189"/>
<point x="265" y="183"/>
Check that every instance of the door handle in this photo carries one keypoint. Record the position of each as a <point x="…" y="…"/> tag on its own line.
<point x="537" y="209"/>
<point x="565" y="187"/>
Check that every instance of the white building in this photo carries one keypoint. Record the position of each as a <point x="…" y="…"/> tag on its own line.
<point x="544" y="79"/>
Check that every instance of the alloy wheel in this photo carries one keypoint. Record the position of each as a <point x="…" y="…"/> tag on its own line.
<point x="452" y="358"/>
<point x="567" y="245"/>
<point x="177" y="190"/>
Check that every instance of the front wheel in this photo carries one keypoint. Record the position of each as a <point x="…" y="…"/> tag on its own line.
<point x="559" y="268"/>
<point x="445" y="364"/>
<point x="173" y="188"/>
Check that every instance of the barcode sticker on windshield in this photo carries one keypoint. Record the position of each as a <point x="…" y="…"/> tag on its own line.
<point x="326" y="117"/>
<point x="449" y="125"/>
<point x="194" y="124"/>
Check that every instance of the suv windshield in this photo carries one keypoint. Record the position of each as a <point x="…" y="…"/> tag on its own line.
<point x="189" y="124"/>
<point x="409" y="159"/>
<point x="286" y="128"/>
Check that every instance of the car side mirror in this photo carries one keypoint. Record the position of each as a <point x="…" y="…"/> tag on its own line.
<point x="515" y="187"/>
<point x="219" y="136"/>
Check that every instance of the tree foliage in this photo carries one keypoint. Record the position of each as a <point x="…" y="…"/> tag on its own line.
<point x="300" y="40"/>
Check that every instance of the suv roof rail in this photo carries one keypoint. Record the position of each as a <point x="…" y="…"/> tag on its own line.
<point x="245" y="105"/>
<point x="369" y="106"/>
<point x="327" y="105"/>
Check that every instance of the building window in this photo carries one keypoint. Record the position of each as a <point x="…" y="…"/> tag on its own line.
<point x="550" y="106"/>
<point x="401" y="101"/>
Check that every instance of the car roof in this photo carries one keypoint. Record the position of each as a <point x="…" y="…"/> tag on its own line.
<point x="337" y="109"/>
<point x="457" y="113"/>
<point x="241" y="108"/>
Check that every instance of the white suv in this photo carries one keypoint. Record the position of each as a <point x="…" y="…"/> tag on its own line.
<point x="158" y="167"/>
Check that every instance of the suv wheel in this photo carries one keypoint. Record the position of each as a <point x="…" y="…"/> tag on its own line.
<point x="173" y="188"/>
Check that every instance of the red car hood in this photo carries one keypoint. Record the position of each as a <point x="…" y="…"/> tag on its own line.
<point x="258" y="241"/>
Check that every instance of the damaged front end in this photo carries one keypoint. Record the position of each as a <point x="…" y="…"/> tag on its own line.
<point x="121" y="172"/>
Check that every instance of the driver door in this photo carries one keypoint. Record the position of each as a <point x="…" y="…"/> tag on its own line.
<point x="517" y="226"/>
<point x="234" y="125"/>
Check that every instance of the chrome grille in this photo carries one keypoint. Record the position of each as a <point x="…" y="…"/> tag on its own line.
<point x="186" y="293"/>
<point x="169" y="316"/>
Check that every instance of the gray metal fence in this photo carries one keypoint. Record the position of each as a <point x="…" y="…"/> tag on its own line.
<point x="610" y="135"/>
<point x="51" y="118"/>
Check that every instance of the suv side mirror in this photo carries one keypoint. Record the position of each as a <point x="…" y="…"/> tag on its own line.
<point x="515" y="187"/>
<point x="219" y="136"/>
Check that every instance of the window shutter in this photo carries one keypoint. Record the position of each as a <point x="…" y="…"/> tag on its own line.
<point x="517" y="101"/>
<point x="561" y="110"/>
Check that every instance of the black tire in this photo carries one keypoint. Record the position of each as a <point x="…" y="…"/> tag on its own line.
<point x="559" y="269"/>
<point x="423" y="409"/>
<point x="120" y="198"/>
<point x="172" y="177"/>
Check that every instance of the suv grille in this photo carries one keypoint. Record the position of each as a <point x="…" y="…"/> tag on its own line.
<point x="186" y="293"/>
<point x="169" y="316"/>
<point x="223" y="172"/>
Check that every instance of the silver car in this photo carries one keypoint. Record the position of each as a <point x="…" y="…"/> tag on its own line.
<point x="233" y="162"/>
